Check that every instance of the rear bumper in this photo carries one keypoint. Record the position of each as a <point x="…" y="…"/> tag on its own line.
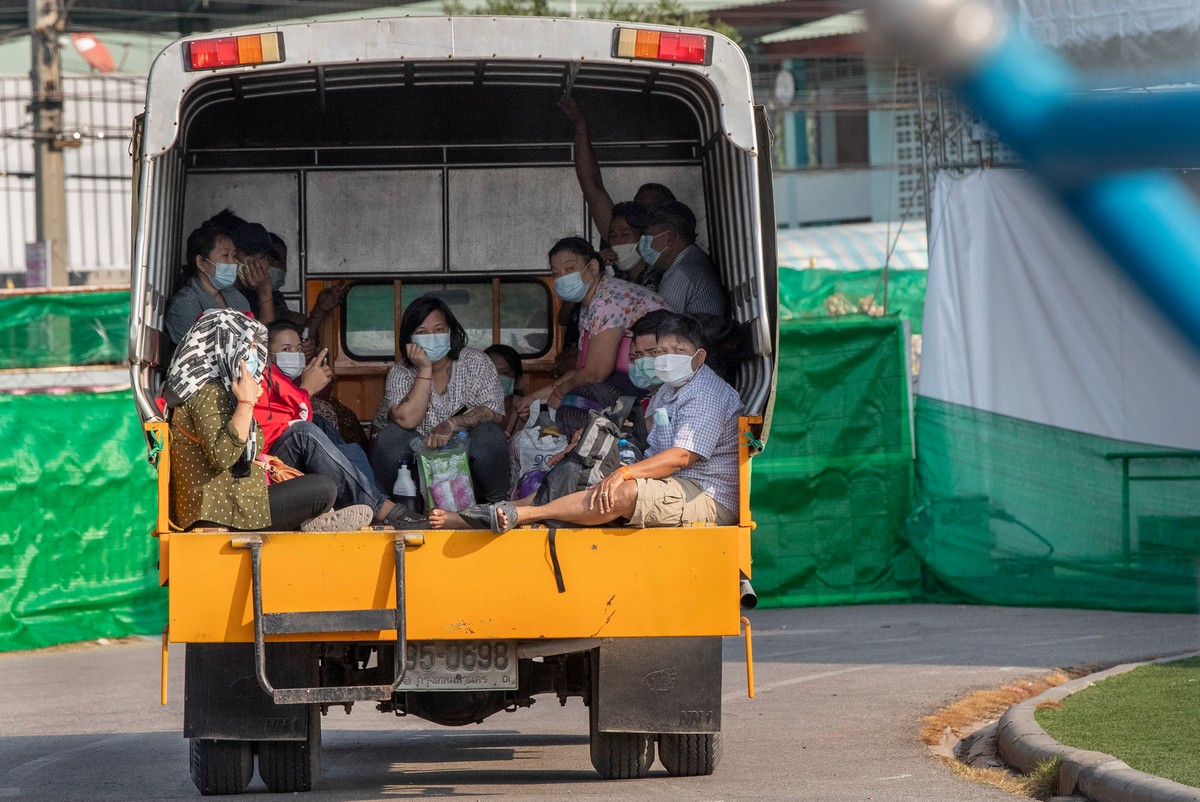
<point x="620" y="583"/>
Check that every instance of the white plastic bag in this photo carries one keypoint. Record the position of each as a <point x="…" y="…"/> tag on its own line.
<point x="531" y="448"/>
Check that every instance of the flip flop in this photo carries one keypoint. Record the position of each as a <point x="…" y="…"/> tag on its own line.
<point x="477" y="516"/>
<point x="510" y="515"/>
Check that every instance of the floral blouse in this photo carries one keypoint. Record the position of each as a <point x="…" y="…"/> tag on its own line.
<point x="616" y="304"/>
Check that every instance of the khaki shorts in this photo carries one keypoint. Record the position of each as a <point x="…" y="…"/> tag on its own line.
<point x="676" y="502"/>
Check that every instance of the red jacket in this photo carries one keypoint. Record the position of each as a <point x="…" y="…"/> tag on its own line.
<point x="281" y="403"/>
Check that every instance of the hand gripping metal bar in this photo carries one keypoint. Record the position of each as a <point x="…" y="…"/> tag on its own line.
<point x="332" y="621"/>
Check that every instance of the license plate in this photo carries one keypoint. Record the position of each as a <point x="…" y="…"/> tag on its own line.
<point x="460" y="665"/>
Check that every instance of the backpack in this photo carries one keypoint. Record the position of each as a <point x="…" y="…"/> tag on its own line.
<point x="593" y="457"/>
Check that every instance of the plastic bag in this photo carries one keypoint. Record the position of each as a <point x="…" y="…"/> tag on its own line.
<point x="537" y="442"/>
<point x="445" y="474"/>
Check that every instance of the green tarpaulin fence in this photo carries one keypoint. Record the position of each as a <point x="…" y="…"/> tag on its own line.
<point x="814" y="293"/>
<point x="39" y="330"/>
<point x="1017" y="513"/>
<point x="77" y="505"/>
<point x="832" y="490"/>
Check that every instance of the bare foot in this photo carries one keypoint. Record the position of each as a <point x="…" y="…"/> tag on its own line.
<point x="441" y="519"/>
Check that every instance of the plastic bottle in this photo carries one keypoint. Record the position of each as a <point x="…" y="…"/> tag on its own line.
<point x="404" y="491"/>
<point x="627" y="451"/>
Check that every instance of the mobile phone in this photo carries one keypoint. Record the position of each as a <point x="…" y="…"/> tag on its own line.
<point x="242" y="268"/>
<point x="460" y="411"/>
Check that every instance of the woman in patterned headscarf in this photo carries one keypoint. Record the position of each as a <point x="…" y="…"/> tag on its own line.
<point x="216" y="479"/>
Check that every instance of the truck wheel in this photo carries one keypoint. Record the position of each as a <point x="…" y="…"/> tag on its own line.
<point x="620" y="755"/>
<point x="290" y="766"/>
<point x="220" y="767"/>
<point x="689" y="755"/>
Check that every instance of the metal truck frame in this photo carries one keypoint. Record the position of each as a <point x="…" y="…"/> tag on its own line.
<point x="397" y="154"/>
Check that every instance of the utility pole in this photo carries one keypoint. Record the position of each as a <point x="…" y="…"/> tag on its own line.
<point x="46" y="21"/>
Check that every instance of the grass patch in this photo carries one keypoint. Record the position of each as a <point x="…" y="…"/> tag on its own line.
<point x="1041" y="783"/>
<point x="1147" y="717"/>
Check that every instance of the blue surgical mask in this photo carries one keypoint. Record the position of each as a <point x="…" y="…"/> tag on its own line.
<point x="436" y="345"/>
<point x="507" y="385"/>
<point x="571" y="287"/>
<point x="252" y="363"/>
<point x="642" y="373"/>
<point x="646" y="249"/>
<point x="277" y="274"/>
<point x="223" y="275"/>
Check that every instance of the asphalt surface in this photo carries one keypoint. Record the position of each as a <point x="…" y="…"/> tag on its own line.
<point x="841" y="692"/>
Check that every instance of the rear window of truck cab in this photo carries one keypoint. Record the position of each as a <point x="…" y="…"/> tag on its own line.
<point x="510" y="311"/>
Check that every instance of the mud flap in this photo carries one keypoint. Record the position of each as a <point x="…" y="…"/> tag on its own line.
<point x="659" y="685"/>
<point x="222" y="698"/>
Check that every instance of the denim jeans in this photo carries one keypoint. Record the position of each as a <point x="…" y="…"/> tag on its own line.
<point x="488" y="453"/>
<point x="306" y="447"/>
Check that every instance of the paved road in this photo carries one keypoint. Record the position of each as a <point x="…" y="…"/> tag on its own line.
<point x="840" y="696"/>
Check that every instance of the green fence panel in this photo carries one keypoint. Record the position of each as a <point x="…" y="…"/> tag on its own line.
<point x="815" y="293"/>
<point x="63" y="329"/>
<point x="77" y="505"/>
<point x="832" y="491"/>
<point x="1018" y="513"/>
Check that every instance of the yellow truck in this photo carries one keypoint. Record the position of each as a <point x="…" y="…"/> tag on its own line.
<point x="402" y="156"/>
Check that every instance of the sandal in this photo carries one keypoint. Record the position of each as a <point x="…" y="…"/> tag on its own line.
<point x="347" y="519"/>
<point x="510" y="516"/>
<point x="477" y="516"/>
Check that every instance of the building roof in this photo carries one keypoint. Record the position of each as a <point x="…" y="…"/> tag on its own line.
<point x="857" y="246"/>
<point x="837" y="25"/>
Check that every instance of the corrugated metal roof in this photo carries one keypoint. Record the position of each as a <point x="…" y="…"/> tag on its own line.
<point x="857" y="246"/>
<point x="837" y="25"/>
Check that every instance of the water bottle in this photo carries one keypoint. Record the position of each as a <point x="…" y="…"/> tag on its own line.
<point x="404" y="491"/>
<point x="627" y="451"/>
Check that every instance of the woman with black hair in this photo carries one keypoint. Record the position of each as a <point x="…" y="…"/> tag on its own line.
<point x="441" y="386"/>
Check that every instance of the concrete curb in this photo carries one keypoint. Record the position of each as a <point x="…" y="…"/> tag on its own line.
<point x="1101" y="778"/>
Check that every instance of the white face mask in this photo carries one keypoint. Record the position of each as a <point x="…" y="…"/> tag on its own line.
<point x="290" y="363"/>
<point x="674" y="369"/>
<point x="627" y="255"/>
<point x="278" y="275"/>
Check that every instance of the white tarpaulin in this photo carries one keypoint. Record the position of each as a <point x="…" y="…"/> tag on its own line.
<point x="1107" y="34"/>
<point x="1026" y="317"/>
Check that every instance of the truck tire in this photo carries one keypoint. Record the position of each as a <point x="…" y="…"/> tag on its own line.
<point x="619" y="755"/>
<point x="220" y="767"/>
<point x="689" y="755"/>
<point x="290" y="766"/>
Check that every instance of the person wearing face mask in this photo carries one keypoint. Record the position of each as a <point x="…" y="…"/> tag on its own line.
<point x="512" y="383"/>
<point x="690" y="471"/>
<point x="689" y="283"/>
<point x="210" y="275"/>
<point x="261" y="278"/>
<point x="212" y="386"/>
<point x="587" y="171"/>
<point x="441" y="386"/>
<point x="629" y="219"/>
<point x="608" y="306"/>
<point x="306" y="441"/>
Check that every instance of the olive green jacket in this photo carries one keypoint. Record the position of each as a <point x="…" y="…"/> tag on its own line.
<point x="204" y="447"/>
